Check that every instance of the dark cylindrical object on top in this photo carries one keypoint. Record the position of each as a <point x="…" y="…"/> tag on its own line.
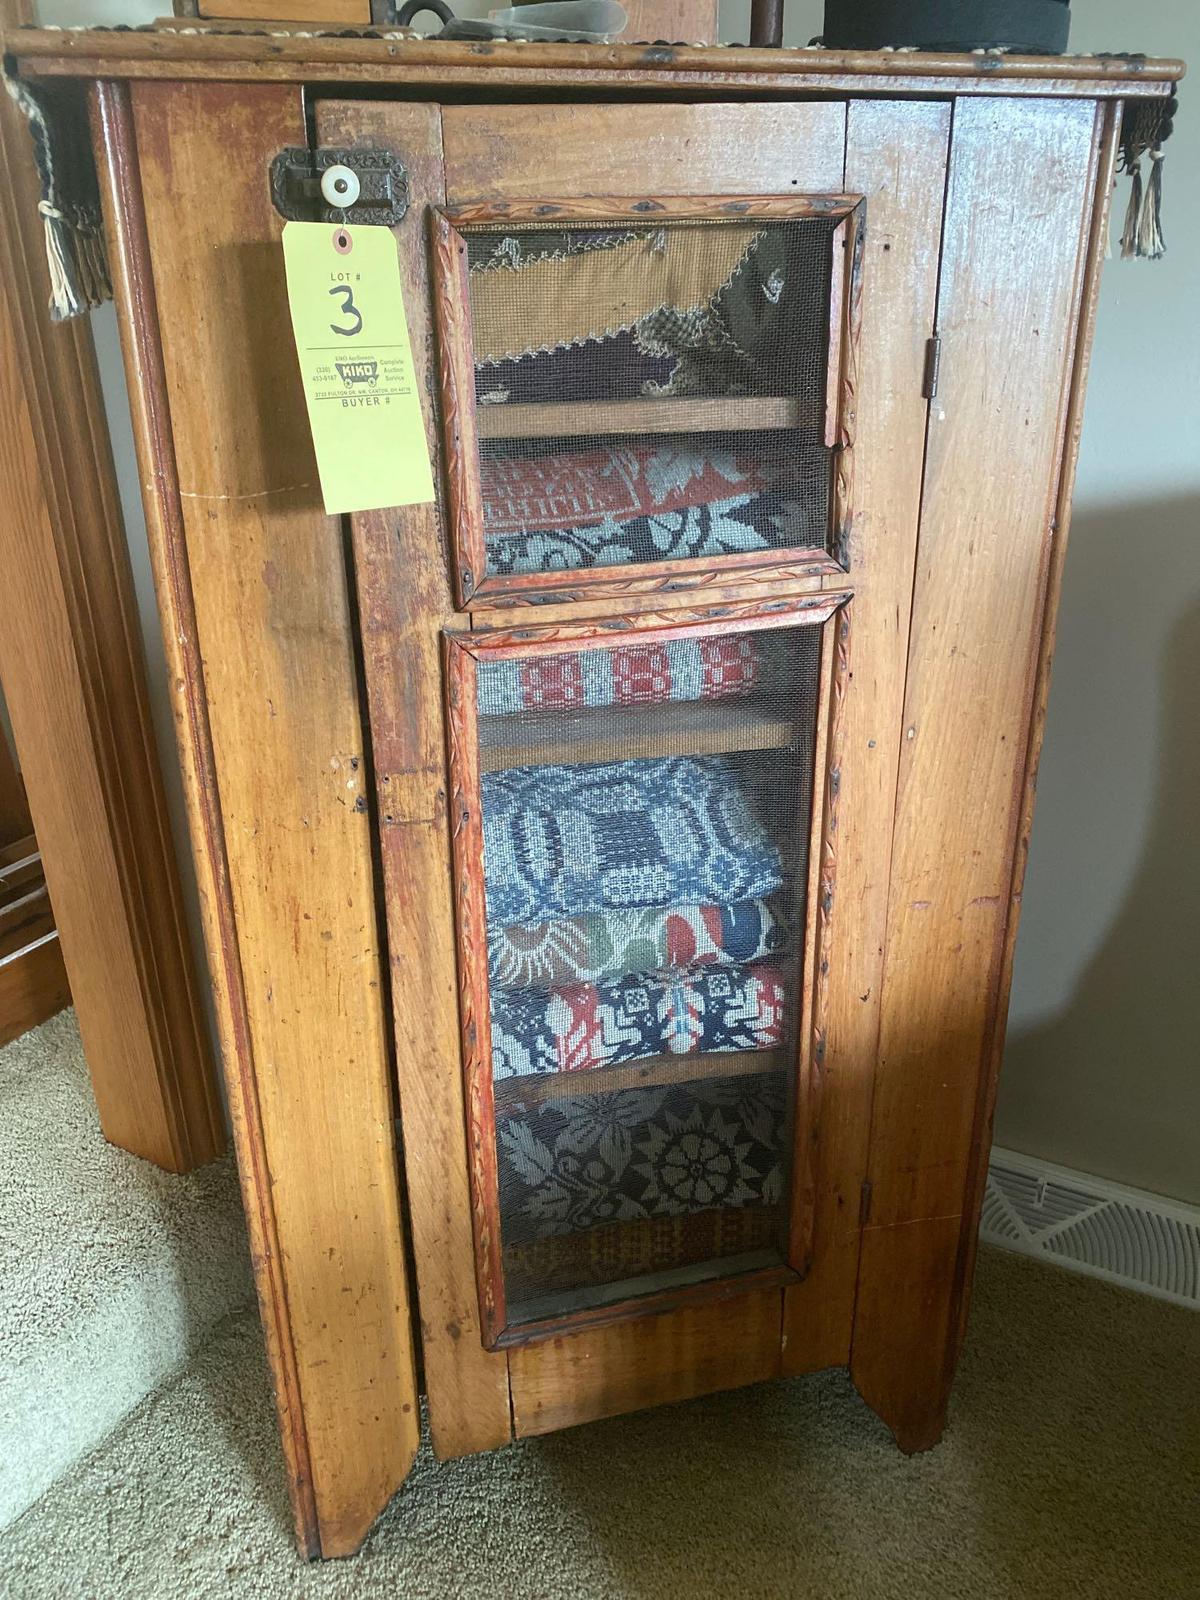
<point x="1031" y="26"/>
<point x="766" y="22"/>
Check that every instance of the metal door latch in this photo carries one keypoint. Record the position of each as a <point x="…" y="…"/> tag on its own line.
<point x="356" y="186"/>
<point x="933" y="367"/>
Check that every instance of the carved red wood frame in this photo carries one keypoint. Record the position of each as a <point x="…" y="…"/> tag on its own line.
<point x="472" y="583"/>
<point x="831" y="613"/>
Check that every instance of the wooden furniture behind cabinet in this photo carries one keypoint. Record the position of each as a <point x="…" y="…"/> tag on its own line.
<point x="611" y="871"/>
<point x="74" y="677"/>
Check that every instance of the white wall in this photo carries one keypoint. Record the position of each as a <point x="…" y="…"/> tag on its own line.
<point x="1103" y="1063"/>
<point x="1102" y="1069"/>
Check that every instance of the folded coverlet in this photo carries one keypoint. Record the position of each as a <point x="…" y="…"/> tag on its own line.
<point x="561" y="841"/>
<point x="630" y="502"/>
<point x="579" y="1027"/>
<point x="614" y="944"/>
<point x="586" y="1160"/>
<point x="724" y="668"/>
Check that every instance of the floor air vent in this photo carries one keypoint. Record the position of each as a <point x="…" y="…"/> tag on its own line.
<point x="1142" y="1241"/>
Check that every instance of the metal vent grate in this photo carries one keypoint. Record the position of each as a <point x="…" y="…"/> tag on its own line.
<point x="1140" y="1240"/>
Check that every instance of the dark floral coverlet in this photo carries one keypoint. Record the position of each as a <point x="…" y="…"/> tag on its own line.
<point x="585" y="1160"/>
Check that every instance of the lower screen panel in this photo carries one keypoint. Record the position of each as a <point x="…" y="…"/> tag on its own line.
<point x="608" y="1195"/>
<point x="645" y="818"/>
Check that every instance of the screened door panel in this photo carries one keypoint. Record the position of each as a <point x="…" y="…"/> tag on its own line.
<point x="638" y="819"/>
<point x="643" y="392"/>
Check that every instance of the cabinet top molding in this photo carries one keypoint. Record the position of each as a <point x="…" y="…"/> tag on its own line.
<point x="285" y="55"/>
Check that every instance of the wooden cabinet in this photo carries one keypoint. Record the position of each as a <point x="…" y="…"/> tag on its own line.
<point x="611" y="871"/>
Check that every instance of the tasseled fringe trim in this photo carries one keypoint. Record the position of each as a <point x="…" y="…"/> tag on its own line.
<point x="1150" y="233"/>
<point x="1144" y="131"/>
<point x="1133" y="215"/>
<point x="1142" y="235"/>
<point x="69" y="207"/>
<point x="78" y="264"/>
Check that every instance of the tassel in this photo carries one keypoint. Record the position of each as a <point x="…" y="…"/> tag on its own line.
<point x="77" y="264"/>
<point x="1150" y="242"/>
<point x="1133" y="216"/>
<point x="70" y="199"/>
<point x="64" y="294"/>
<point x="1108" y="225"/>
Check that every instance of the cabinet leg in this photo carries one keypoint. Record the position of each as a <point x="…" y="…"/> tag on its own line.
<point x="913" y="1433"/>
<point x="906" y="1327"/>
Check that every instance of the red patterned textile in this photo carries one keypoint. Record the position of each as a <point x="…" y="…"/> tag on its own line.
<point x="542" y="493"/>
<point x="724" y="668"/>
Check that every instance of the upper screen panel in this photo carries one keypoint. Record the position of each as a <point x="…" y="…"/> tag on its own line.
<point x="642" y="394"/>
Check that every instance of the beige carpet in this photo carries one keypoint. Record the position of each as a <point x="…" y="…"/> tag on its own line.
<point x="112" y="1273"/>
<point x="1071" y="1471"/>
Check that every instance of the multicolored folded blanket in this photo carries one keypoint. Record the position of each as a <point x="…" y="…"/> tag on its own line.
<point x="560" y="841"/>
<point x="724" y="668"/>
<point x="585" y="1160"/>
<point x="581" y="1026"/>
<point x="613" y="944"/>
<point x="618" y="504"/>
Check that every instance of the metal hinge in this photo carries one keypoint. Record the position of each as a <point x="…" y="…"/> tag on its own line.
<point x="933" y="367"/>
<point x="306" y="186"/>
<point x="864" y="1204"/>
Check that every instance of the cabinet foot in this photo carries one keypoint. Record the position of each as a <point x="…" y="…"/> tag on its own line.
<point x="914" y="1435"/>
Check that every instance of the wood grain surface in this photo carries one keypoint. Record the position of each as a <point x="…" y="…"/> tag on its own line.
<point x="73" y="670"/>
<point x="1008" y="308"/>
<point x="309" y="13"/>
<point x="563" y="68"/>
<point x="529" y="152"/>
<point x="15" y="820"/>
<point x="404" y="602"/>
<point x="896" y="156"/>
<point x="649" y="1361"/>
<point x="257" y="616"/>
<point x="694" y="21"/>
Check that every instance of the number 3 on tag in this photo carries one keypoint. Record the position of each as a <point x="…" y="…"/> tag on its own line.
<point x="364" y="407"/>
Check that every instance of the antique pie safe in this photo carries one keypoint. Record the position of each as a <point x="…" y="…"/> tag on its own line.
<point x="610" y="872"/>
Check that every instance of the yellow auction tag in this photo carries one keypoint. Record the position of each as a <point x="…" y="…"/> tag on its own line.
<point x="357" y="366"/>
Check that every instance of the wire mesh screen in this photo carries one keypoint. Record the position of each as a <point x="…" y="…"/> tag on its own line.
<point x="646" y="813"/>
<point x="650" y="392"/>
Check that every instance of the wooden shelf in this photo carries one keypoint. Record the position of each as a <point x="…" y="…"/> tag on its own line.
<point x="523" y="1094"/>
<point x="668" y="415"/>
<point x="628" y="733"/>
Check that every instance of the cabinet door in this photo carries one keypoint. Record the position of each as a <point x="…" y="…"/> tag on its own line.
<point x="636" y="915"/>
<point x="639" y="810"/>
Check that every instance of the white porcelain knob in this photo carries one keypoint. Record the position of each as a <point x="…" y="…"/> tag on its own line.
<point x="339" y="186"/>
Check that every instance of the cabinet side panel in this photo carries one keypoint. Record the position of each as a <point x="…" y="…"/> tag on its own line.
<point x="404" y="602"/>
<point x="896" y="157"/>
<point x="1022" y="181"/>
<point x="521" y="152"/>
<point x="274" y="650"/>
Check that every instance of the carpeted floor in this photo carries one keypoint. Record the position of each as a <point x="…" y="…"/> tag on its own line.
<point x="112" y="1273"/>
<point x="1070" y="1471"/>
